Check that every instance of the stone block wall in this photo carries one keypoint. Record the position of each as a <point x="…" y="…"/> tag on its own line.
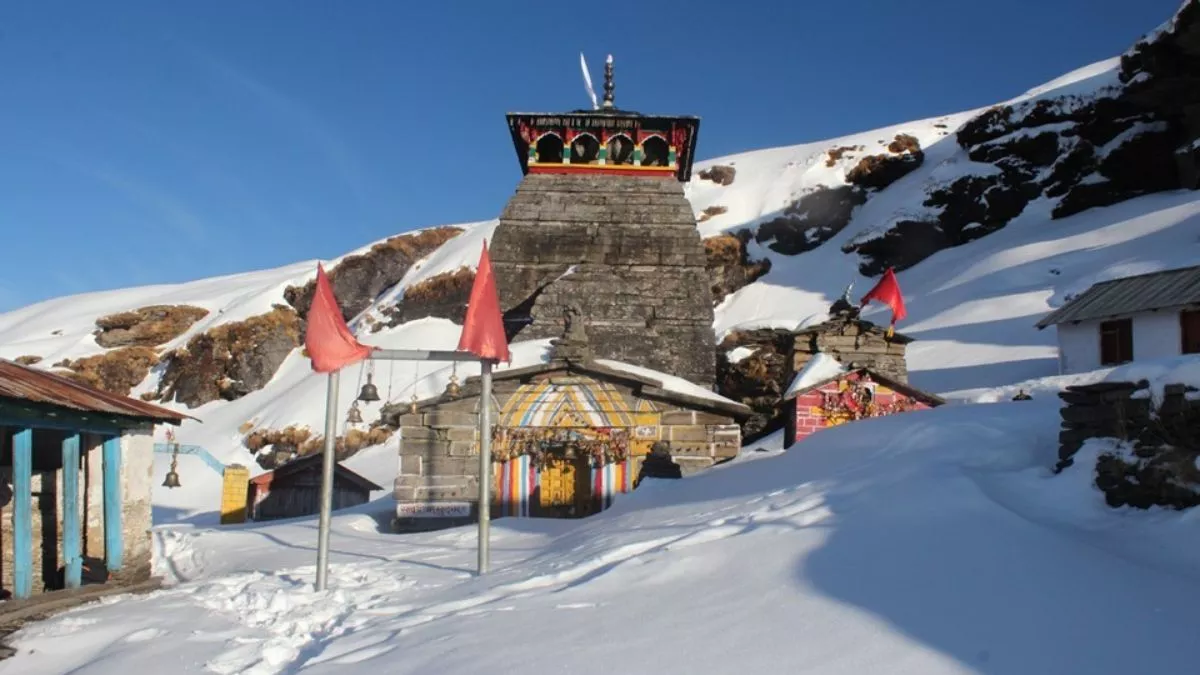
<point x="856" y="345"/>
<point x="626" y="251"/>
<point x="1157" y="466"/>
<point x="439" y="450"/>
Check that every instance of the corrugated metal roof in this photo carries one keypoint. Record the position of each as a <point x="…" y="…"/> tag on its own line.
<point x="39" y="386"/>
<point x="1121" y="297"/>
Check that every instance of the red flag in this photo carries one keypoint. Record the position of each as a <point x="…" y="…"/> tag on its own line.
<point x="330" y="344"/>
<point x="483" y="329"/>
<point x="887" y="291"/>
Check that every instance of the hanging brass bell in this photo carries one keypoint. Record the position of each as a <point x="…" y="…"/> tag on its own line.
<point x="412" y="405"/>
<point x="369" y="393"/>
<point x="452" y="388"/>
<point x="355" y="415"/>
<point x="172" y="480"/>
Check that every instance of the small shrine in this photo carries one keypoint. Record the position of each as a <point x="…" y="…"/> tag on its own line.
<point x="847" y="369"/>
<point x="853" y="341"/>
<point x="571" y="433"/>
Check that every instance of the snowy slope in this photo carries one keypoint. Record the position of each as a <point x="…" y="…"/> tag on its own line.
<point x="934" y="542"/>
<point x="971" y="308"/>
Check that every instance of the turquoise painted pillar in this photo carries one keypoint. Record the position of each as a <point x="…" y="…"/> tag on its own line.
<point x="113" y="532"/>
<point x="72" y="535"/>
<point x="22" y="513"/>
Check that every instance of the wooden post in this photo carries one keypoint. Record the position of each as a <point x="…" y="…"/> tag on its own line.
<point x="22" y="514"/>
<point x="72" y="540"/>
<point x="113" y="532"/>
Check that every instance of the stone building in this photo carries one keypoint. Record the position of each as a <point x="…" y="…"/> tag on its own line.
<point x="600" y="220"/>
<point x="75" y="481"/>
<point x="846" y="369"/>
<point x="827" y="394"/>
<point x="853" y="342"/>
<point x="570" y="433"/>
<point x="1146" y="316"/>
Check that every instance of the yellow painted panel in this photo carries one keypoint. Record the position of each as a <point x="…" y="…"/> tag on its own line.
<point x="234" y="494"/>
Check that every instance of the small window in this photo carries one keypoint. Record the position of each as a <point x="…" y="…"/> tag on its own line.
<point x="550" y="149"/>
<point x="1116" y="342"/>
<point x="655" y="151"/>
<point x="585" y="149"/>
<point x="1189" y="325"/>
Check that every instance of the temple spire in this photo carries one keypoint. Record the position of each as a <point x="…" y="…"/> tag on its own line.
<point x="608" y="83"/>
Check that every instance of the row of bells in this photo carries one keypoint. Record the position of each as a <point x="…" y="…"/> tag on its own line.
<point x="368" y="394"/>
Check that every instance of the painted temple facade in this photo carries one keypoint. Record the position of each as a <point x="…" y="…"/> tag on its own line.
<point x="847" y="369"/>
<point x="570" y="435"/>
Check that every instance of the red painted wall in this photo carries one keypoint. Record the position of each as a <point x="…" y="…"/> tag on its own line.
<point x="807" y="414"/>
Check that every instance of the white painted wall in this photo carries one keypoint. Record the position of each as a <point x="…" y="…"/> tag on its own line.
<point x="1078" y="347"/>
<point x="1155" y="335"/>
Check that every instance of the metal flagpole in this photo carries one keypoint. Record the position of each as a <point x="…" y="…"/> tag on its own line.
<point x="485" y="461"/>
<point x="331" y="401"/>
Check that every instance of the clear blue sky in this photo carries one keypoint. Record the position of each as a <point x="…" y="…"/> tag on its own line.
<point x="151" y="142"/>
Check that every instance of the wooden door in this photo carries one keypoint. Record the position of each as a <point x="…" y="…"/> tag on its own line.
<point x="564" y="488"/>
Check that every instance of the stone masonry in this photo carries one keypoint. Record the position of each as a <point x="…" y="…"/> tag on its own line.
<point x="626" y="252"/>
<point x="1157" y="465"/>
<point x="856" y="344"/>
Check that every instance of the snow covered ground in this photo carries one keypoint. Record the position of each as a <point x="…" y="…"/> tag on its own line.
<point x="931" y="542"/>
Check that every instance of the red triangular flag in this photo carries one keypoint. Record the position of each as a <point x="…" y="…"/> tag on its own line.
<point x="328" y="339"/>
<point x="483" y="329"/>
<point x="887" y="291"/>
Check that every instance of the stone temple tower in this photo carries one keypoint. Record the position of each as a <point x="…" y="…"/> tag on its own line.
<point x="600" y="223"/>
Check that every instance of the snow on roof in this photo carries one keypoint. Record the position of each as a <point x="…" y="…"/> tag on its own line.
<point x="668" y="382"/>
<point x="820" y="368"/>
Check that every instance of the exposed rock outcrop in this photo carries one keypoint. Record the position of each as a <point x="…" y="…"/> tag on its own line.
<point x="28" y="359"/>
<point x="443" y="296"/>
<point x="837" y="153"/>
<point x="811" y="220"/>
<point x="231" y="360"/>
<point x="711" y="211"/>
<point x="729" y="264"/>
<point x="117" y="371"/>
<point x="149" y="326"/>
<point x="719" y="174"/>
<point x="359" y="279"/>
<point x="759" y="379"/>
<point x="293" y="441"/>
<point x="1080" y="151"/>
<point x="876" y="172"/>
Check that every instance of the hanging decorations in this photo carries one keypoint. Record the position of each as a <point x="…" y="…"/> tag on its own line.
<point x="370" y="392"/>
<point x="855" y="400"/>
<point x="452" y="388"/>
<point x="548" y="445"/>
<point x="355" y="415"/>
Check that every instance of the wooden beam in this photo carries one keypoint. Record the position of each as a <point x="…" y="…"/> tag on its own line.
<point x="34" y="416"/>
<point x="22" y="514"/>
<point x="114" y="541"/>
<point x="72" y="539"/>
